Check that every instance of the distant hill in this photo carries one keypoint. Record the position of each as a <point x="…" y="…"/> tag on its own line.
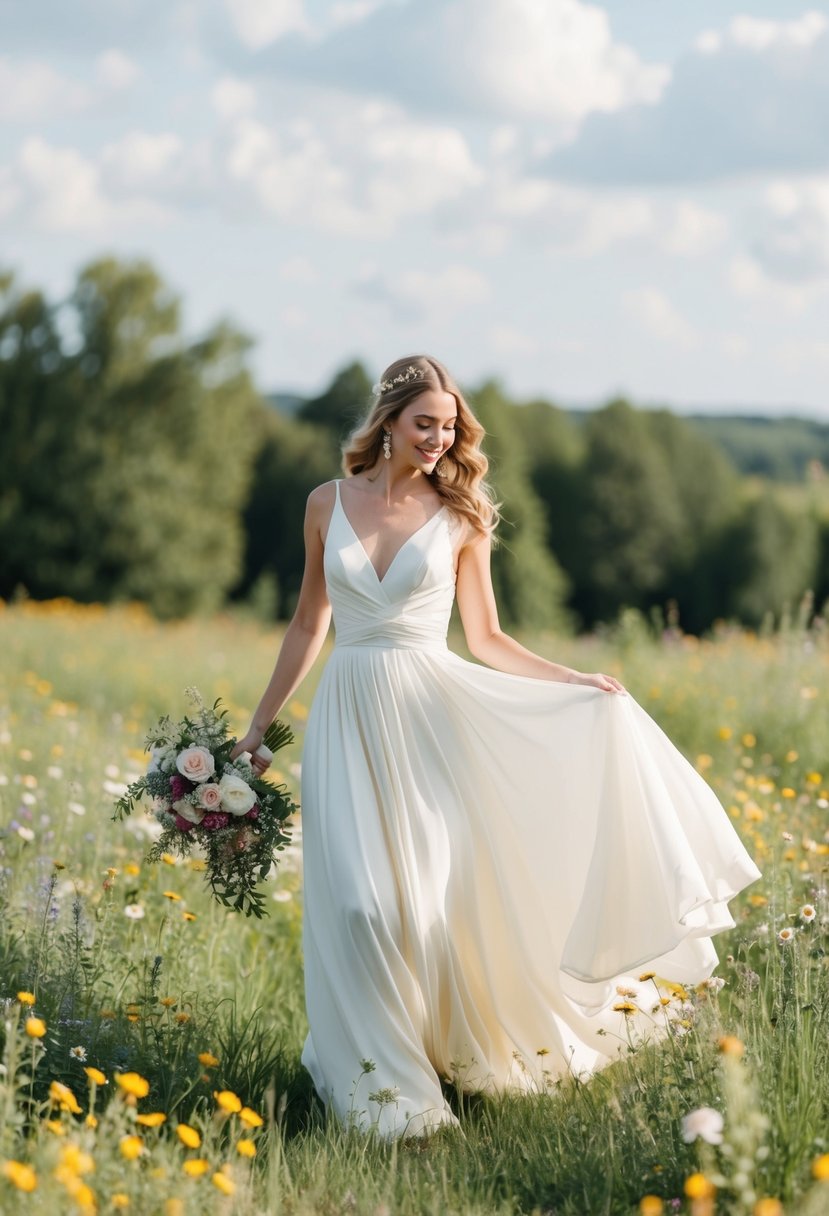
<point x="286" y="403"/>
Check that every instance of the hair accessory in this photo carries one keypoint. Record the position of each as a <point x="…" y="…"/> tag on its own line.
<point x="411" y="373"/>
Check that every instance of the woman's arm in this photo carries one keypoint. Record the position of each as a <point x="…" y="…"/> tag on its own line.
<point x="484" y="636"/>
<point x="307" y="631"/>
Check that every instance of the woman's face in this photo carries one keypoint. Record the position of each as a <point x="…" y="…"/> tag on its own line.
<point x="425" y="429"/>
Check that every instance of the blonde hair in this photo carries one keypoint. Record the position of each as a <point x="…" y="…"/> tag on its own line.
<point x="463" y="489"/>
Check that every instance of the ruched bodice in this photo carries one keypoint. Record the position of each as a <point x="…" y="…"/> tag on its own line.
<point x="410" y="606"/>
<point x="485" y="856"/>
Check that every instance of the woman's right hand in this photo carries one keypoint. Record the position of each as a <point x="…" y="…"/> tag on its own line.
<point x="249" y="743"/>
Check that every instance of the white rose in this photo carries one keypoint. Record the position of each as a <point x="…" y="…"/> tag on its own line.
<point x="158" y="758"/>
<point x="185" y="808"/>
<point x="237" y="796"/>
<point x="195" y="763"/>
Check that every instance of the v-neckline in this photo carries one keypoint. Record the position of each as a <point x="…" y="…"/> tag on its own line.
<point x="381" y="581"/>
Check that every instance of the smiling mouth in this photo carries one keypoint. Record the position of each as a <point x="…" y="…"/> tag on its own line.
<point x="430" y="454"/>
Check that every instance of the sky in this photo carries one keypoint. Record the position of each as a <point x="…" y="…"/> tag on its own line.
<point x="580" y="199"/>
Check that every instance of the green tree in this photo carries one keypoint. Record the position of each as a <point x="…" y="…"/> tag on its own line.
<point x="343" y="403"/>
<point x="130" y="480"/>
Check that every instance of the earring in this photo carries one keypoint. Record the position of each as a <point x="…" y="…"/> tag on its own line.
<point x="440" y="467"/>
<point x="387" y="444"/>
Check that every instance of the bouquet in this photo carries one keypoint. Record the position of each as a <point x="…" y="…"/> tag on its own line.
<point x="202" y="797"/>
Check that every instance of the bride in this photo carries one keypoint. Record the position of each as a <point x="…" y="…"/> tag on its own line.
<point x="489" y="851"/>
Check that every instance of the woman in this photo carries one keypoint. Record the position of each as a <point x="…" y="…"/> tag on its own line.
<point x="486" y="852"/>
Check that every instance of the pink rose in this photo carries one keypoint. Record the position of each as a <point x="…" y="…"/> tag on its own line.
<point x="209" y="796"/>
<point x="195" y="763"/>
<point x="215" y="820"/>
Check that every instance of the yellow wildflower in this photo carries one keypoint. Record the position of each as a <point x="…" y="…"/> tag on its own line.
<point x="75" y="1160"/>
<point x="91" y="1121"/>
<point x="223" y="1183"/>
<point x="245" y="1147"/>
<point x="730" y="1045"/>
<point x="169" y="859"/>
<point x="182" y="1018"/>
<point x="174" y="1207"/>
<point x="643" y="978"/>
<point x="208" y="1059"/>
<point x="133" y="1084"/>
<point x="62" y="1096"/>
<point x="820" y="1168"/>
<point x="189" y="915"/>
<point x="768" y="1207"/>
<point x="26" y="998"/>
<point x="120" y="1200"/>
<point x="20" y="1175"/>
<point x="188" y="1135"/>
<point x="195" y="1167"/>
<point x="625" y="1007"/>
<point x="132" y="869"/>
<point x="697" y="1186"/>
<point x="96" y="1076"/>
<point x="131" y="1147"/>
<point x="650" y="1205"/>
<point x="171" y="895"/>
<point x="55" y="1127"/>
<point x="168" y="1001"/>
<point x="35" y="1028"/>
<point x="251" y="1119"/>
<point x="227" y="1101"/>
<point x="155" y="1119"/>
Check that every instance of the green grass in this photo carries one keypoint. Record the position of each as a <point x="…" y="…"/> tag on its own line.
<point x="80" y="688"/>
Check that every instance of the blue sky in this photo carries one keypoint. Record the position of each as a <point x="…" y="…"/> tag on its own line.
<point x="582" y="199"/>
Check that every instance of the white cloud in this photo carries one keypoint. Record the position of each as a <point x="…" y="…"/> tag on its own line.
<point x="652" y="309"/>
<point x="414" y="295"/>
<point x="258" y="23"/>
<point x="31" y="89"/>
<point x="550" y="60"/>
<point x="141" y="160"/>
<point x="748" y="281"/>
<point x="762" y="34"/>
<point x="507" y="340"/>
<point x="565" y="219"/>
<point x="298" y="269"/>
<point x="116" y="70"/>
<point x="795" y="246"/>
<point x="232" y="97"/>
<point x="693" y="230"/>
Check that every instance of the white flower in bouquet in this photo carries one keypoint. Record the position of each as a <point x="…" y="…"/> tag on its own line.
<point x="237" y="796"/>
<point x="196" y="764"/>
<point x="162" y="758"/>
<point x="209" y="796"/>
<point x="185" y="808"/>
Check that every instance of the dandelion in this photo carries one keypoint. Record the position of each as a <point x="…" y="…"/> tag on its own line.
<point x="188" y="1136"/>
<point x="182" y="1018"/>
<point x="697" y="1186"/>
<point x="251" y="1119"/>
<point x="195" y="1167"/>
<point x="245" y="1147"/>
<point x="227" y="1101"/>
<point x="223" y="1183"/>
<point x="807" y="914"/>
<point x="35" y="1028"/>
<point x="785" y="936"/>
<point x="155" y="1119"/>
<point x="63" y="1097"/>
<point x="96" y="1077"/>
<point x="705" y="1124"/>
<point x="133" y="1084"/>
<point x="134" y="912"/>
<point x="169" y="1002"/>
<point x="208" y="1059"/>
<point x="26" y="998"/>
<point x="77" y="1053"/>
<point x="20" y="1175"/>
<point x="131" y="1147"/>
<point x="132" y="869"/>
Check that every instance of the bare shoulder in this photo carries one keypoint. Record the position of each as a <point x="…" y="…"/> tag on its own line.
<point x="321" y="499"/>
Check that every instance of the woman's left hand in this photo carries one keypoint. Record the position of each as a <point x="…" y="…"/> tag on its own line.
<point x="597" y="679"/>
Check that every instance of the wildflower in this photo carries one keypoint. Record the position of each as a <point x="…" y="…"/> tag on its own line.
<point x="169" y="859"/>
<point x="131" y="1147"/>
<point x="768" y="1207"/>
<point x="132" y="869"/>
<point x="629" y="992"/>
<point x="155" y="1119"/>
<point x="75" y="1160"/>
<point x="63" y="1097"/>
<point x="91" y="1121"/>
<point x="35" y="1028"/>
<point x="188" y="1136"/>
<point x="251" y="1119"/>
<point x="189" y="915"/>
<point x="820" y="1168"/>
<point x="714" y="984"/>
<point x="223" y="1183"/>
<point x="195" y="1167"/>
<point x="169" y="1002"/>
<point x="650" y="1205"/>
<point x="245" y="1147"/>
<point x="730" y="1045"/>
<point x="643" y="979"/>
<point x="227" y="1101"/>
<point x="120" y="1200"/>
<point x="208" y="1059"/>
<point x="785" y="936"/>
<point x="705" y="1123"/>
<point x="133" y="1084"/>
<point x="697" y="1186"/>
<point x="20" y="1175"/>
<point x="173" y="1207"/>
<point x="807" y="914"/>
<point x="171" y="895"/>
<point x="77" y="1053"/>
<point x="624" y="1007"/>
<point x="96" y="1076"/>
<point x="134" y="911"/>
<point x="55" y="1127"/>
<point x="26" y="998"/>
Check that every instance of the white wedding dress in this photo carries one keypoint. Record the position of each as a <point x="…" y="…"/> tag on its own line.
<point x="486" y="856"/>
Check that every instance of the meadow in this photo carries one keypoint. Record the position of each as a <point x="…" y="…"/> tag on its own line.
<point x="151" y="1038"/>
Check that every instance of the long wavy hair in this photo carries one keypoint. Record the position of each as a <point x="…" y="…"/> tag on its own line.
<point x="464" y="488"/>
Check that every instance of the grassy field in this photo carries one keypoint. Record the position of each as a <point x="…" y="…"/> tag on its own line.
<point x="113" y="965"/>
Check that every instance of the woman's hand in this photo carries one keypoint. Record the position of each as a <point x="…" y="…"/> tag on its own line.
<point x="249" y="743"/>
<point x="597" y="679"/>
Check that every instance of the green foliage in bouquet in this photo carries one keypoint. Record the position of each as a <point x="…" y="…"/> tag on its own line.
<point x="203" y="798"/>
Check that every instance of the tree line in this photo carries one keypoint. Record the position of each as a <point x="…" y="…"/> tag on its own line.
<point x="136" y="464"/>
